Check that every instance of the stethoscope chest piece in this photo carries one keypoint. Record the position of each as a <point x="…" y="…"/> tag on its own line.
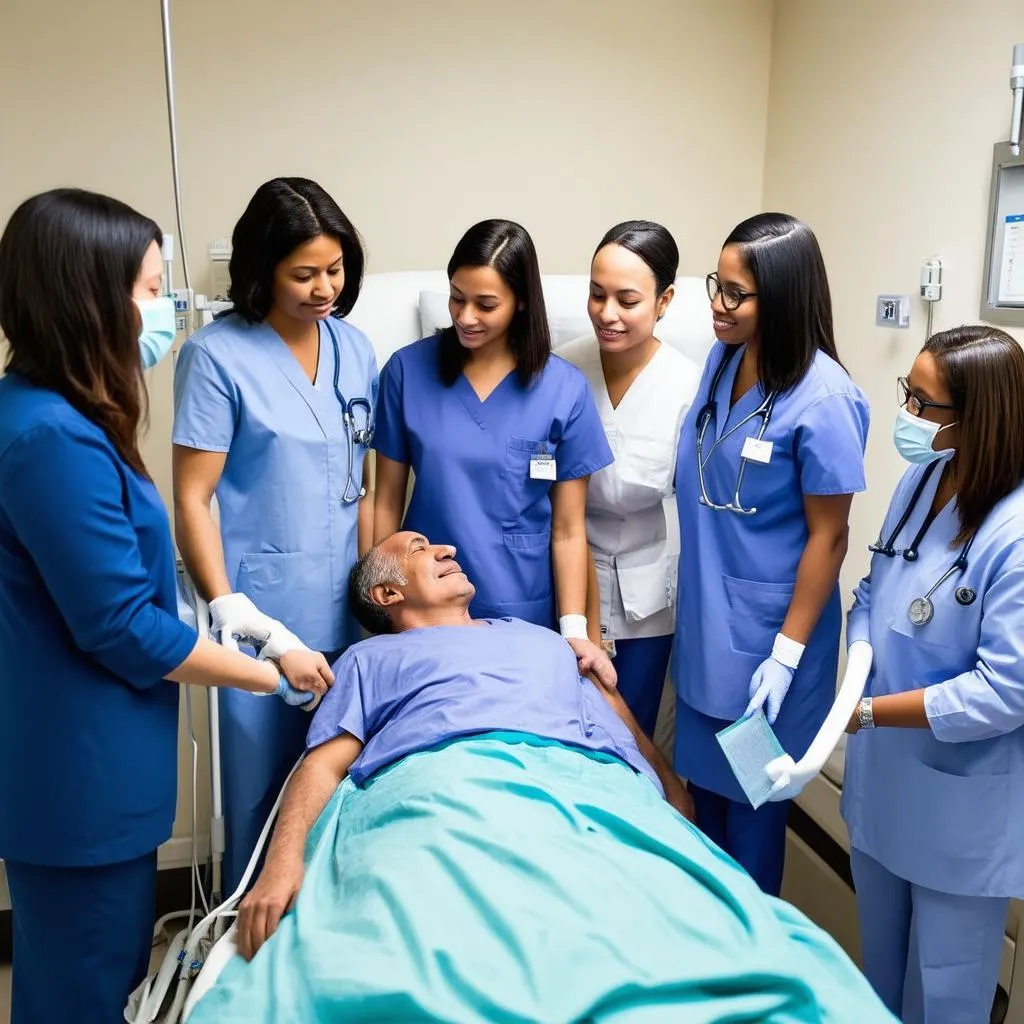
<point x="921" y="611"/>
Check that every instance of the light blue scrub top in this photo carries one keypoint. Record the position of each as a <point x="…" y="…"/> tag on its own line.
<point x="471" y="460"/>
<point x="944" y="807"/>
<point x="289" y="538"/>
<point x="737" y="573"/>
<point x="415" y="690"/>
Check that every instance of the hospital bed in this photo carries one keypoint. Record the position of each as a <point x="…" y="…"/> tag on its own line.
<point x="393" y="309"/>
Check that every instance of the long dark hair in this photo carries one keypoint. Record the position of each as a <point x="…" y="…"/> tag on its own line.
<point x="794" y="304"/>
<point x="69" y="260"/>
<point x="508" y="248"/>
<point x="983" y="368"/>
<point x="283" y="214"/>
<point x="653" y="243"/>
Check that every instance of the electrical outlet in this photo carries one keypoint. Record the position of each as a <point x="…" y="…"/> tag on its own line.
<point x="893" y="311"/>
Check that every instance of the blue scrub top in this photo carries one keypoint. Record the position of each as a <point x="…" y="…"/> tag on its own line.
<point x="471" y="461"/>
<point x="941" y="807"/>
<point x="737" y="573"/>
<point x="88" y="630"/>
<point x="415" y="690"/>
<point x="289" y="538"/>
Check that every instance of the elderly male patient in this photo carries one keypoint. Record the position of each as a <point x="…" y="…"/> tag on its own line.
<point x="478" y="833"/>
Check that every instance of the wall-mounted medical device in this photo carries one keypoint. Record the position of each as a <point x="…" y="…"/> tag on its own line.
<point x="1002" y="290"/>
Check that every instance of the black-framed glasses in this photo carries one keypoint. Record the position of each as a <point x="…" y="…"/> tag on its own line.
<point x="915" y="403"/>
<point x="732" y="297"/>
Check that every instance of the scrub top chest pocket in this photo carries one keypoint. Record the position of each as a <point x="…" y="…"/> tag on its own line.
<point x="531" y="469"/>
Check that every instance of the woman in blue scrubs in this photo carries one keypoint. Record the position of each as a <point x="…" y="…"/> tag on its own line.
<point x="274" y="409"/>
<point x="934" y="786"/>
<point x="502" y="437"/>
<point x="642" y="388"/>
<point x="770" y="455"/>
<point x="88" y="623"/>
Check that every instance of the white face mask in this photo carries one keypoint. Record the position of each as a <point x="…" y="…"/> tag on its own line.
<point x="913" y="438"/>
<point x="157" y="334"/>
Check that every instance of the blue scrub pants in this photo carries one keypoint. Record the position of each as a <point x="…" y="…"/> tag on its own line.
<point x="261" y="738"/>
<point x="755" y="839"/>
<point x="933" y="958"/>
<point x="82" y="939"/>
<point x="641" y="666"/>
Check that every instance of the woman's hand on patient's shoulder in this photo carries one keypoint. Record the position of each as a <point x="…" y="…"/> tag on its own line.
<point x="266" y="903"/>
<point x="306" y="670"/>
<point x="595" y="662"/>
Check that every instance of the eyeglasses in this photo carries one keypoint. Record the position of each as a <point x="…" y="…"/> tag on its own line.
<point x="732" y="298"/>
<point x="914" y="403"/>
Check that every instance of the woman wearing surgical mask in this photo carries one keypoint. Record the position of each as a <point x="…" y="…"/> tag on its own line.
<point x="88" y="625"/>
<point x="643" y="389"/>
<point x="273" y="413"/>
<point x="934" y="785"/>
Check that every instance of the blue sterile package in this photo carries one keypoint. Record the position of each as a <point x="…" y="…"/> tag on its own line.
<point x="749" y="745"/>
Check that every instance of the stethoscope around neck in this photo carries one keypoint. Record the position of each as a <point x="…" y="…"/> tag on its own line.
<point x="922" y="609"/>
<point x="704" y="418"/>
<point x="354" y="434"/>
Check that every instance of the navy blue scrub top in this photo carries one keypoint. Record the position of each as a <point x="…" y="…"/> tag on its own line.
<point x="88" y="631"/>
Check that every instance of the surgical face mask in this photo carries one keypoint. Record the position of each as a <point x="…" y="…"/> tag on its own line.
<point x="913" y="438"/>
<point x="157" y="334"/>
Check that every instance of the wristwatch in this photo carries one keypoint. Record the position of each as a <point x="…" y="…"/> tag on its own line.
<point x="865" y="716"/>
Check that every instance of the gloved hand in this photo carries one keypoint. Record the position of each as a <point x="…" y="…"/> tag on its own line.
<point x="305" y="699"/>
<point x="236" y="615"/>
<point x="768" y="688"/>
<point x="788" y="778"/>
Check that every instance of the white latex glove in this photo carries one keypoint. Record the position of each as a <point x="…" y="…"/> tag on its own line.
<point x="235" y="615"/>
<point x="790" y="777"/>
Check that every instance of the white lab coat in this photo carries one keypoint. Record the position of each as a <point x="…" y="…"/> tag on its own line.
<point x="632" y="529"/>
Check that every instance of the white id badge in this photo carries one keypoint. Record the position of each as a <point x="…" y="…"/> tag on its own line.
<point x="542" y="467"/>
<point x="757" y="451"/>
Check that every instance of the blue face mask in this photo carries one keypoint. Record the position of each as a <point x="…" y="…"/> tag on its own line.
<point x="913" y="438"/>
<point x="157" y="335"/>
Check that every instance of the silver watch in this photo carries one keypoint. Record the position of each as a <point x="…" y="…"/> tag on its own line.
<point x="865" y="716"/>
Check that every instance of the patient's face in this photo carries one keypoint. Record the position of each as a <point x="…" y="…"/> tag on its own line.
<point x="433" y="578"/>
<point x="624" y="304"/>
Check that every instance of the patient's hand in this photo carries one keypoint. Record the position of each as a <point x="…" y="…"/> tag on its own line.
<point x="679" y="797"/>
<point x="594" y="662"/>
<point x="307" y="671"/>
<point x="266" y="903"/>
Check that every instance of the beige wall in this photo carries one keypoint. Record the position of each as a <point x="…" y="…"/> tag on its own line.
<point x="882" y="118"/>
<point x="420" y="118"/>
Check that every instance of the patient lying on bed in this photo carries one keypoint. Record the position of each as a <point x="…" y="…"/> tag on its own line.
<point x="477" y="833"/>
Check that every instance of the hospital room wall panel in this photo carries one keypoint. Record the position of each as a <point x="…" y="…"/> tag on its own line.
<point x="882" y="117"/>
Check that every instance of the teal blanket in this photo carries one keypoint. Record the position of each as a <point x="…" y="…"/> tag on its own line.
<point x="511" y="880"/>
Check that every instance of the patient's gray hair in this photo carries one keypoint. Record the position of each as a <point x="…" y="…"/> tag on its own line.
<point x="375" y="568"/>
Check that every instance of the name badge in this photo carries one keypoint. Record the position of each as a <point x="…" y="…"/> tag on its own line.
<point x="542" y="467"/>
<point x="757" y="451"/>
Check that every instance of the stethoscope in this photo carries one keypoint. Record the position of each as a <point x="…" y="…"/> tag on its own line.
<point x="704" y="417"/>
<point x="922" y="609"/>
<point x="355" y="434"/>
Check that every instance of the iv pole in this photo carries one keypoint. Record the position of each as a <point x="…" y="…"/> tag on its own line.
<point x="165" y="19"/>
<point x="202" y="615"/>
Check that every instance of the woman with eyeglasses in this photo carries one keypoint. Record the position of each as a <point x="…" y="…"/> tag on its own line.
<point x="935" y="771"/>
<point x="770" y="455"/>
